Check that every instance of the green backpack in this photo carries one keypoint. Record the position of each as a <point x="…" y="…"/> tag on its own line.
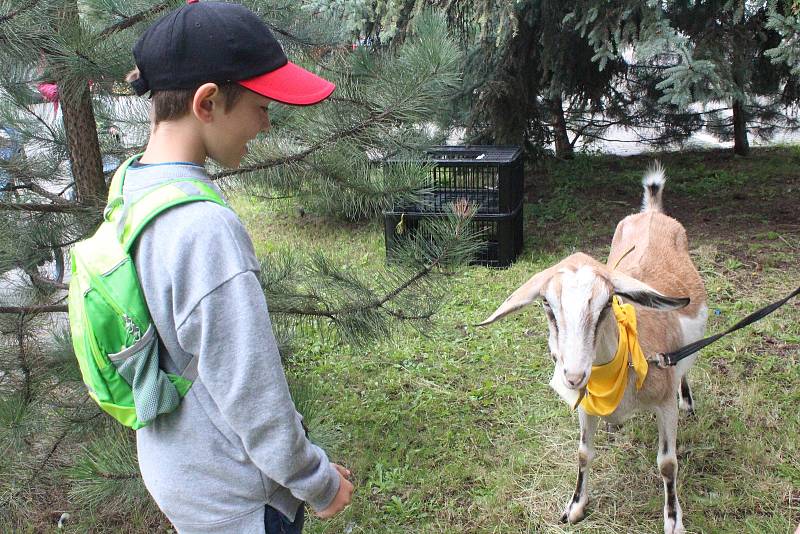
<point x="113" y="335"/>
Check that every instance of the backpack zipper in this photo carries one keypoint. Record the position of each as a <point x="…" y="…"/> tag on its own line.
<point x="130" y="325"/>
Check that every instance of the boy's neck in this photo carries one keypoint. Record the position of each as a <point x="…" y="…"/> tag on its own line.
<point x="172" y="141"/>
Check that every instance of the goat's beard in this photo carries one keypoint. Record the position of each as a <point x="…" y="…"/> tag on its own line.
<point x="573" y="397"/>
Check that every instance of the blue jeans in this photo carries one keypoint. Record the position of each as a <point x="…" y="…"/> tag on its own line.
<point x="277" y="523"/>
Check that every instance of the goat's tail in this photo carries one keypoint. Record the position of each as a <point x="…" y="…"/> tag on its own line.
<point x="653" y="183"/>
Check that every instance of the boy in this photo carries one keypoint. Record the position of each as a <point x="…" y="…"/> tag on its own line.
<point x="233" y="457"/>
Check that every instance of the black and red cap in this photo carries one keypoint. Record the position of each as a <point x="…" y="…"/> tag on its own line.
<point x="222" y="43"/>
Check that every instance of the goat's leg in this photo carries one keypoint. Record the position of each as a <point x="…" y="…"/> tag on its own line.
<point x="667" y="417"/>
<point x="576" y="507"/>
<point x="686" y="401"/>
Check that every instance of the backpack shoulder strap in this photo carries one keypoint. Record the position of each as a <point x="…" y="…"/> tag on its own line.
<point x="137" y="215"/>
<point x="115" y="187"/>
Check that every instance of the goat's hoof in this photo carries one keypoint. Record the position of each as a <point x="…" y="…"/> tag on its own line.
<point x="686" y="406"/>
<point x="574" y="512"/>
<point x="673" y="526"/>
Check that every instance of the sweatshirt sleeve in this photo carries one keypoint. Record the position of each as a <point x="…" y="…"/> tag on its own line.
<point x="239" y="365"/>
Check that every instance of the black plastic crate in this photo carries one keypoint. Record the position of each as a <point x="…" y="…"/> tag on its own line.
<point x="501" y="233"/>
<point x="488" y="176"/>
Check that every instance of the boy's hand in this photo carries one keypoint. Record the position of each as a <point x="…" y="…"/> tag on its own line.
<point x="343" y="496"/>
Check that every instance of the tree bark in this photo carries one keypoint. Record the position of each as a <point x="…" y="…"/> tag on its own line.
<point x="79" y="125"/>
<point x="741" y="145"/>
<point x="82" y="142"/>
<point x="563" y="146"/>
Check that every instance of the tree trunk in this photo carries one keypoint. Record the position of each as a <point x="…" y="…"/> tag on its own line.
<point x="79" y="124"/>
<point x="563" y="146"/>
<point x="741" y="146"/>
<point x="82" y="142"/>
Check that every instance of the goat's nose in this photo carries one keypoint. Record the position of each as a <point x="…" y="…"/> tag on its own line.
<point x="574" y="378"/>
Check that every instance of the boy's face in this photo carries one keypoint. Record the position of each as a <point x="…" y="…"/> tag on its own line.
<point x="230" y="130"/>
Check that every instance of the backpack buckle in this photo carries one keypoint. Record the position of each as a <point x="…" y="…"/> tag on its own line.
<point x="112" y="204"/>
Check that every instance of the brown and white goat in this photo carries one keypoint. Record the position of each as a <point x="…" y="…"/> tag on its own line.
<point x="649" y="260"/>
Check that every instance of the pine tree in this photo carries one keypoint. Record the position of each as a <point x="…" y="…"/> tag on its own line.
<point x="702" y="53"/>
<point x="726" y="66"/>
<point x="541" y="67"/>
<point x="520" y="56"/>
<point x="784" y="18"/>
<point x="56" y="448"/>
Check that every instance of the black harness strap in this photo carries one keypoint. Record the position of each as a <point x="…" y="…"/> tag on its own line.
<point x="671" y="358"/>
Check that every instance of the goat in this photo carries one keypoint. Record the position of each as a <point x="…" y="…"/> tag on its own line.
<point x="649" y="259"/>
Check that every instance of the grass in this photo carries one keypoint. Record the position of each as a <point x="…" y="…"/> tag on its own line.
<point x="457" y="431"/>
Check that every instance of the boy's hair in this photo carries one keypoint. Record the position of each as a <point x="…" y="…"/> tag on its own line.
<point x="172" y="104"/>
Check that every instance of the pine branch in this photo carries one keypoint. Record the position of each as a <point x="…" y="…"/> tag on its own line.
<point x="580" y="132"/>
<point x="333" y="314"/>
<point x="380" y="303"/>
<point x="361" y="190"/>
<point x="44" y="123"/>
<point x="38" y="469"/>
<point x="118" y="476"/>
<point x="306" y="312"/>
<point x="49" y="455"/>
<point x="351" y="101"/>
<point x="39" y="279"/>
<point x="134" y="19"/>
<point x="293" y="37"/>
<point x="56" y="199"/>
<point x="49" y="308"/>
<point x="282" y="197"/>
<point x="303" y="154"/>
<point x="31" y="4"/>
<point x="404" y="317"/>
<point x="639" y="140"/>
<point x="10" y="188"/>
<point x="45" y="208"/>
<point x="23" y="360"/>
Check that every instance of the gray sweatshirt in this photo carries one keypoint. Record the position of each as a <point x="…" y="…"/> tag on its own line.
<point x="236" y="442"/>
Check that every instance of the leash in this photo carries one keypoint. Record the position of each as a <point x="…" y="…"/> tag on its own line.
<point x="671" y="358"/>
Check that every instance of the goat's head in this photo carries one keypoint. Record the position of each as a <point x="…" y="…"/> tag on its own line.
<point x="576" y="295"/>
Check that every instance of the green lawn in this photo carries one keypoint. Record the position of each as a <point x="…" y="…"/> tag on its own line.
<point x="457" y="431"/>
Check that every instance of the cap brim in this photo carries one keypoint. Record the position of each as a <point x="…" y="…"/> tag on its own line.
<point x="290" y="84"/>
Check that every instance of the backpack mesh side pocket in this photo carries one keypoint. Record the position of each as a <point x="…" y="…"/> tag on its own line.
<point x="153" y="391"/>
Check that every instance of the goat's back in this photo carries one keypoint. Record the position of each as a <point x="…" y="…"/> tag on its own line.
<point x="661" y="259"/>
<point x="660" y="256"/>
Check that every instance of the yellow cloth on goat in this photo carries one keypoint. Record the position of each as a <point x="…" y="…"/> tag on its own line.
<point x="607" y="382"/>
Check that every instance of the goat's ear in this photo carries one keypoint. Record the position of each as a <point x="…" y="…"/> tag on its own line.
<point x="524" y="295"/>
<point x="644" y="295"/>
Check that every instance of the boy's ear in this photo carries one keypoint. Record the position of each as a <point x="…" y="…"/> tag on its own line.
<point x="205" y="100"/>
